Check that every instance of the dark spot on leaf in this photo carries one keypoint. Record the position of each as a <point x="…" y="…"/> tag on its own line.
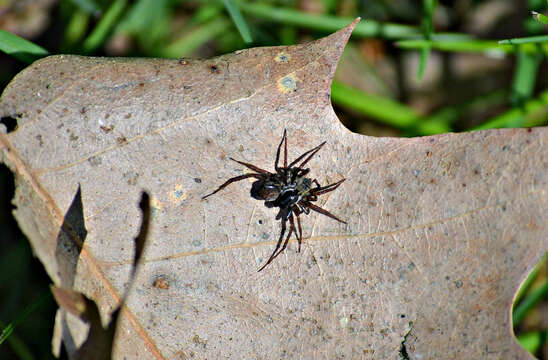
<point x="48" y="86"/>
<point x="106" y="129"/>
<point x="9" y="122"/>
<point x="128" y="115"/>
<point x="92" y="78"/>
<point x="83" y="110"/>
<point x="432" y="181"/>
<point x="458" y="284"/>
<point x="463" y="184"/>
<point x="529" y="130"/>
<point x="260" y="222"/>
<point x="141" y="84"/>
<point x="38" y="111"/>
<point x="505" y="147"/>
<point x="197" y="341"/>
<point x="183" y="62"/>
<point x="214" y="69"/>
<point x="161" y="283"/>
<point x="95" y="160"/>
<point x="131" y="177"/>
<point x="476" y="172"/>
<point x="241" y="148"/>
<point x="121" y="140"/>
<point x="428" y="153"/>
<point x="65" y="110"/>
<point x="198" y="180"/>
<point x="40" y="141"/>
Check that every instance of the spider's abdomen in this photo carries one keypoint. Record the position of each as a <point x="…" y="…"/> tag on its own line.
<point x="264" y="190"/>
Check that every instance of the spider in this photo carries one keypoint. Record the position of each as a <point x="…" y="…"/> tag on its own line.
<point x="288" y="189"/>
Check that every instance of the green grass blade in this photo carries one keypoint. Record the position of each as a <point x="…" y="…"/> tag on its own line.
<point x="104" y="27"/>
<point x="20" y="349"/>
<point x="428" y="11"/>
<point x="525" y="76"/>
<point x="329" y="23"/>
<point x="528" y="112"/>
<point x="425" y="52"/>
<point x="238" y="19"/>
<point x="540" y="17"/>
<point x="532" y="341"/>
<point x="458" y="46"/>
<point x="76" y="29"/>
<point x="385" y="110"/>
<point x="90" y="7"/>
<point x="194" y="39"/>
<point x="21" y="49"/>
<point x="525" y="40"/>
<point x="529" y="302"/>
<point x="8" y="329"/>
<point x="526" y="285"/>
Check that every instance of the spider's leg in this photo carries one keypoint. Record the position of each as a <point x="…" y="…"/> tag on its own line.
<point x="325" y="189"/>
<point x="273" y="256"/>
<point x="278" y="153"/>
<point x="317" y="183"/>
<point x="323" y="211"/>
<point x="300" y="236"/>
<point x="302" y="172"/>
<point x="251" y="166"/>
<point x="312" y="152"/>
<point x="291" y="229"/>
<point x="285" y="153"/>
<point x="234" y="179"/>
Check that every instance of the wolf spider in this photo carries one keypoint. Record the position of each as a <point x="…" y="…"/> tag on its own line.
<point x="287" y="189"/>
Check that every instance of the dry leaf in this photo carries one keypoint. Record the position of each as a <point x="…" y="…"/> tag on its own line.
<point x="441" y="230"/>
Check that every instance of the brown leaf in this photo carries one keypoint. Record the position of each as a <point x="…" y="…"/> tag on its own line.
<point x="441" y="230"/>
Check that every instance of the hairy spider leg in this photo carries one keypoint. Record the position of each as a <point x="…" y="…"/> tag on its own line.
<point x="300" y="235"/>
<point x="251" y="166"/>
<point x="273" y="256"/>
<point x="234" y="179"/>
<point x="278" y="152"/>
<point x="278" y="252"/>
<point x="285" y="152"/>
<point x="322" y="211"/>
<point x="312" y="152"/>
<point x="291" y="230"/>
<point x="327" y="188"/>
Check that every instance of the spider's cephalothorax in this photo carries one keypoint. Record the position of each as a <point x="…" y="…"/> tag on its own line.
<point x="287" y="189"/>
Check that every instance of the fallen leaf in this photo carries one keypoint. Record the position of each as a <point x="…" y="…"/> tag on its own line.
<point x="441" y="230"/>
